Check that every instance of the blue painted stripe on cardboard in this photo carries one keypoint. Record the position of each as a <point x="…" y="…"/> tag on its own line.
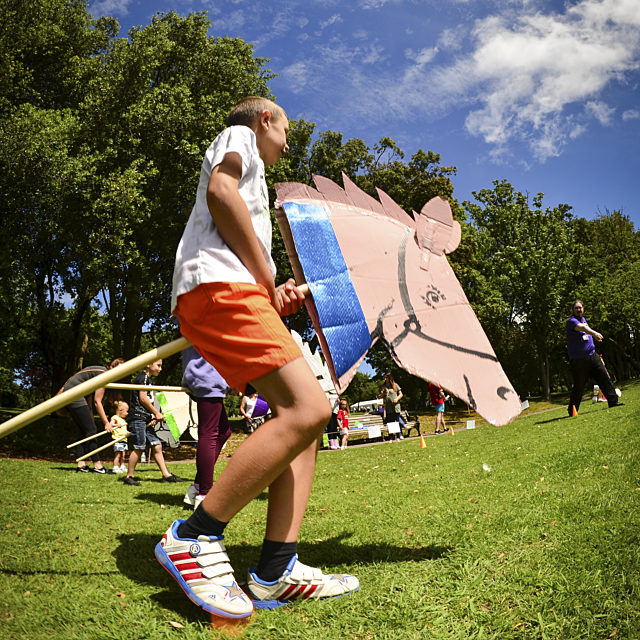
<point x="341" y="316"/>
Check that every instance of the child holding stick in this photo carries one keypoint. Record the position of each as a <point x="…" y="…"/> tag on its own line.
<point x="225" y="297"/>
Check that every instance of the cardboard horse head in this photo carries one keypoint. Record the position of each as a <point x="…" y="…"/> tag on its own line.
<point x="376" y="273"/>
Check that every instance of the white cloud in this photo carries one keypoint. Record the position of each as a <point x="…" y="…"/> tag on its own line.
<point x="109" y="8"/>
<point x="372" y="53"/>
<point x="229" y="23"/>
<point x="599" y="110"/>
<point x="336" y="18"/>
<point x="422" y="57"/>
<point x="577" y="131"/>
<point x="451" y="39"/>
<point x="529" y="77"/>
<point x="522" y="76"/>
<point x="374" y="4"/>
<point x="297" y="76"/>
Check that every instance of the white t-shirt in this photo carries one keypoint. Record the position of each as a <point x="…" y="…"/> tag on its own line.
<point x="202" y="255"/>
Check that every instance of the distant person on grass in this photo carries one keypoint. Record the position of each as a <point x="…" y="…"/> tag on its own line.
<point x="80" y="411"/>
<point x="584" y="360"/>
<point x="343" y="421"/>
<point x="391" y="394"/>
<point x="224" y="295"/>
<point x="438" y="398"/>
<point x="143" y="416"/>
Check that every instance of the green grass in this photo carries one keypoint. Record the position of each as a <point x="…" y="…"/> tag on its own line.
<point x="544" y="545"/>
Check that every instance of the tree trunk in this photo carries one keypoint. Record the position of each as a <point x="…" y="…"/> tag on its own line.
<point x="543" y="359"/>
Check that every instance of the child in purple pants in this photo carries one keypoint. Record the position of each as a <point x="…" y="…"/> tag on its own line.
<point x="208" y="389"/>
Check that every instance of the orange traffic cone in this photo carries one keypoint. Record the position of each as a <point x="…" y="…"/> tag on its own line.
<point x="451" y="431"/>
<point x="574" y="413"/>
<point x="423" y="444"/>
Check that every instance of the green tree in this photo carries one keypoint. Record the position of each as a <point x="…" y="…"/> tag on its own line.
<point x="606" y="280"/>
<point x="526" y="256"/>
<point x="103" y="143"/>
<point x="361" y="388"/>
<point x="162" y="96"/>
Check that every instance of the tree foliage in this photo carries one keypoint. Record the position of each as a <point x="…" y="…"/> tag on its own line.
<point x="103" y="139"/>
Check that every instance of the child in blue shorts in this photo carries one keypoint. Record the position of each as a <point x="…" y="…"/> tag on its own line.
<point x="141" y="420"/>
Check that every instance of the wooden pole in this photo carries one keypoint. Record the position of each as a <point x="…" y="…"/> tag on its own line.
<point x="95" y="435"/>
<point x="88" y="387"/>
<point x="105" y="446"/>
<point x="145" y="387"/>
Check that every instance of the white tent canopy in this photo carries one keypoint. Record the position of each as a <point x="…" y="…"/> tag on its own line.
<point x="366" y="405"/>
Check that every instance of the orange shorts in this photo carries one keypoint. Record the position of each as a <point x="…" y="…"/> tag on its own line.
<point x="234" y="327"/>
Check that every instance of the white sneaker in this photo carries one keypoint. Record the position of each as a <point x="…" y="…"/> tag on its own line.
<point x="201" y="568"/>
<point x="298" y="581"/>
<point x="191" y="494"/>
<point x="198" y="499"/>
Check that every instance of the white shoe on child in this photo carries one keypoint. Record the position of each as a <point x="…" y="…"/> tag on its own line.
<point x="298" y="581"/>
<point x="201" y="568"/>
<point x="191" y="494"/>
<point x="198" y="499"/>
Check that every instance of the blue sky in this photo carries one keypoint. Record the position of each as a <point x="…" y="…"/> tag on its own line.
<point x="542" y="93"/>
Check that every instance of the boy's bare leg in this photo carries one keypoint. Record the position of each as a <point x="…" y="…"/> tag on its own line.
<point x="270" y="455"/>
<point x="158" y="456"/>
<point x="134" y="456"/>
<point x="288" y="497"/>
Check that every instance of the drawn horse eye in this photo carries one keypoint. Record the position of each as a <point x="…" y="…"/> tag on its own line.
<point x="433" y="296"/>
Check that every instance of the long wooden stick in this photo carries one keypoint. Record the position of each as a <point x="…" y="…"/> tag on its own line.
<point x="95" y="435"/>
<point x="88" y="387"/>
<point x="145" y="387"/>
<point x="87" y="455"/>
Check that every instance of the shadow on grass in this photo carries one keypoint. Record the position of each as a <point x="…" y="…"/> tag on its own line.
<point x="168" y="499"/>
<point x="134" y="553"/>
<point x="552" y="420"/>
<point x="139" y="472"/>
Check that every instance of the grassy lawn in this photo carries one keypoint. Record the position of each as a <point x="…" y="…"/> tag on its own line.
<point x="524" y="531"/>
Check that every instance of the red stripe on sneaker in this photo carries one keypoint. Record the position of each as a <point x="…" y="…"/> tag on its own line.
<point x="188" y="566"/>
<point x="312" y="588"/>
<point x="192" y="576"/>
<point x="298" y="592"/>
<point x="288" y="590"/>
<point x="180" y="556"/>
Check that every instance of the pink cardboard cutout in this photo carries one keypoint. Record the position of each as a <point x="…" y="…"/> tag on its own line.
<point x="408" y="292"/>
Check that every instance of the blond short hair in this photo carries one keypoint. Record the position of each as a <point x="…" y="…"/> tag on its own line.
<point x="248" y="109"/>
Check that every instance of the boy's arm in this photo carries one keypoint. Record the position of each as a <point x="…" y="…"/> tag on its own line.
<point x="232" y="219"/>
<point x="148" y="405"/>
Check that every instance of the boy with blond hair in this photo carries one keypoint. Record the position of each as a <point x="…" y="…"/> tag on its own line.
<point x="224" y="295"/>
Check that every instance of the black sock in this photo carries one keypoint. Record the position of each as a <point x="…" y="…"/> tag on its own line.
<point x="201" y="524"/>
<point x="275" y="558"/>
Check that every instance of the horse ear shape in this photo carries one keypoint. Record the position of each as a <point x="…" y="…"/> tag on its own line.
<point x="436" y="230"/>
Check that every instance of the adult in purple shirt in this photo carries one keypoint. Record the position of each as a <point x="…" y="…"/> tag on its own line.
<point x="584" y="360"/>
